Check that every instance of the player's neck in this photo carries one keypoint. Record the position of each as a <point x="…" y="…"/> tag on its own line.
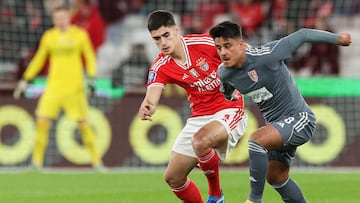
<point x="241" y="60"/>
<point x="179" y="54"/>
<point x="179" y="57"/>
<point x="63" y="28"/>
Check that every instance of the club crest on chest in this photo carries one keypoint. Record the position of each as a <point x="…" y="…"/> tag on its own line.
<point x="253" y="75"/>
<point x="201" y="62"/>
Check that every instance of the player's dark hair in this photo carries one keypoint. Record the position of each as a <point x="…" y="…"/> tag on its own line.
<point x="160" y="18"/>
<point x="226" y="29"/>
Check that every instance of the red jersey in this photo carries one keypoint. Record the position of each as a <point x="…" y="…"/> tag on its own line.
<point x="198" y="75"/>
<point x="93" y="24"/>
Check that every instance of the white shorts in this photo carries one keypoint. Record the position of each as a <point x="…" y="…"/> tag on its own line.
<point x="234" y="120"/>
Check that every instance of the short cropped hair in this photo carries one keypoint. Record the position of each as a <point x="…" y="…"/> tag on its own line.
<point x="61" y="7"/>
<point x="160" y="18"/>
<point x="226" y="29"/>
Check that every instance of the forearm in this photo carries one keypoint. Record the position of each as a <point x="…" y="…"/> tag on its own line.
<point x="296" y="39"/>
<point x="150" y="102"/>
<point x="90" y="57"/>
<point x="152" y="96"/>
<point x="35" y="66"/>
<point x="90" y="65"/>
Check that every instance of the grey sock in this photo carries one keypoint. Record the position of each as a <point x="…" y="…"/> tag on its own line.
<point x="290" y="192"/>
<point x="258" y="169"/>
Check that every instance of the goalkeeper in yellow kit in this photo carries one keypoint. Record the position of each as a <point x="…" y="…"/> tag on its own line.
<point x="65" y="45"/>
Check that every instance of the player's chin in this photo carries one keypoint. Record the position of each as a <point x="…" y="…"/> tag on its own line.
<point x="228" y="64"/>
<point x="166" y="51"/>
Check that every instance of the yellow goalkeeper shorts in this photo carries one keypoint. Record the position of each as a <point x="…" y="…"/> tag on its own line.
<point x="75" y="105"/>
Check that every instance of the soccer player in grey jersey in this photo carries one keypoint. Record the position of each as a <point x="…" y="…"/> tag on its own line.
<point x="262" y="74"/>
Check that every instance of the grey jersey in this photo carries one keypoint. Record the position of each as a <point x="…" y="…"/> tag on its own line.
<point x="266" y="79"/>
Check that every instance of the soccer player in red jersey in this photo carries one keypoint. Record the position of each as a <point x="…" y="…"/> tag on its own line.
<point x="88" y="17"/>
<point x="215" y="124"/>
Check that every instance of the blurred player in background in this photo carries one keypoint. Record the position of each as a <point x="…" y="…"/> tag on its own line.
<point x="64" y="44"/>
<point x="215" y="124"/>
<point x="88" y="17"/>
<point x="262" y="74"/>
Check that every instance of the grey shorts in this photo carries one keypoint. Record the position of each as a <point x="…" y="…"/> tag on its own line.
<point x="295" y="131"/>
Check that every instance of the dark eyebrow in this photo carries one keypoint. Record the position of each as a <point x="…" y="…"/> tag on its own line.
<point x="163" y="35"/>
<point x="227" y="43"/>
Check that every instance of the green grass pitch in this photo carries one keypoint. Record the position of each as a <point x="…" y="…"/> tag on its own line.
<point x="140" y="186"/>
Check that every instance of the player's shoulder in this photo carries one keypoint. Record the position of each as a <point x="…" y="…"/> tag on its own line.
<point x="50" y="31"/>
<point x="161" y="61"/>
<point x="262" y="50"/>
<point x="78" y="30"/>
<point x="202" y="35"/>
<point x="221" y="69"/>
<point x="49" y="34"/>
<point x="198" y="39"/>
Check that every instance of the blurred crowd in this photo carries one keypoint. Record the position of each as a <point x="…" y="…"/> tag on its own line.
<point x="117" y="29"/>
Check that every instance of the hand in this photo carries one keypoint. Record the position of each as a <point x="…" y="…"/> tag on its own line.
<point x="91" y="86"/>
<point x="236" y="95"/>
<point x="229" y="92"/>
<point x="344" y="39"/>
<point x="145" y="112"/>
<point x="20" y="89"/>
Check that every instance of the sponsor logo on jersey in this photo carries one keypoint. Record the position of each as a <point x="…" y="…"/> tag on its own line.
<point x="185" y="76"/>
<point x="260" y="95"/>
<point x="208" y="83"/>
<point x="152" y="76"/>
<point x="201" y="62"/>
<point x="194" y="73"/>
<point x="253" y="75"/>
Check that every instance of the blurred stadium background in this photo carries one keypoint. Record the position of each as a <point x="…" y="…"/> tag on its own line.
<point x="328" y="76"/>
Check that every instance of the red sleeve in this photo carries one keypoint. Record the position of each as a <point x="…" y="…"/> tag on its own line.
<point x="157" y="73"/>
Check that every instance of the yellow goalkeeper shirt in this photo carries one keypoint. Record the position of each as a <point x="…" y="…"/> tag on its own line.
<point x="65" y="51"/>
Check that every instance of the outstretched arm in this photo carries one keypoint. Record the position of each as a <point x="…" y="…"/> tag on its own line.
<point x="318" y="36"/>
<point x="38" y="61"/>
<point x="150" y="102"/>
<point x="35" y="66"/>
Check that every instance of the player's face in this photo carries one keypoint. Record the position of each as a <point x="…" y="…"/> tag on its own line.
<point x="61" y="19"/>
<point x="231" y="51"/>
<point x="165" y="38"/>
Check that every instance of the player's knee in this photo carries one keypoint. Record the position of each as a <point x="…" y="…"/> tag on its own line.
<point x="173" y="180"/>
<point x="200" y="145"/>
<point x="83" y="124"/>
<point x="168" y="179"/>
<point x="42" y="123"/>
<point x="275" y="178"/>
<point x="40" y="142"/>
<point x="42" y="128"/>
<point x="277" y="173"/>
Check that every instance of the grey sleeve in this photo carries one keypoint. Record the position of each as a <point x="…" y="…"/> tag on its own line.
<point x="284" y="48"/>
<point x="301" y="36"/>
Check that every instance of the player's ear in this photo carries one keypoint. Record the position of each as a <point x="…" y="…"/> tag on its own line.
<point x="240" y="42"/>
<point x="176" y="29"/>
<point x="243" y="44"/>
